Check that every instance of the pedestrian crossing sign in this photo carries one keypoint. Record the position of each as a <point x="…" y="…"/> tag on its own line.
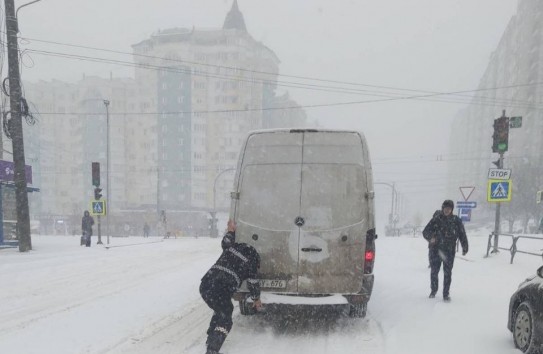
<point x="499" y="190"/>
<point x="98" y="207"/>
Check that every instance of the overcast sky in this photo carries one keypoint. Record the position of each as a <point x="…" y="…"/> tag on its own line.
<point x="417" y="44"/>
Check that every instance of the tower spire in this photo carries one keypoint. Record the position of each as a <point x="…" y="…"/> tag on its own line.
<point x="234" y="19"/>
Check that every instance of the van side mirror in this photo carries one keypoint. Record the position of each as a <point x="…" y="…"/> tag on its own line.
<point x="540" y="272"/>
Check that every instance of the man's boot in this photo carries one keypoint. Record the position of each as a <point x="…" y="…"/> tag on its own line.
<point x="215" y="340"/>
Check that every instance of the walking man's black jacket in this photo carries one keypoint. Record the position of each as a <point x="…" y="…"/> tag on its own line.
<point x="446" y="230"/>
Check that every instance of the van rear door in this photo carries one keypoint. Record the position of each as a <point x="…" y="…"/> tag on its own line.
<point x="269" y="201"/>
<point x="334" y="211"/>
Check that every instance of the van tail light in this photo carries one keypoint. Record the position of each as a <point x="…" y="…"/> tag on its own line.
<point x="368" y="261"/>
<point x="369" y="256"/>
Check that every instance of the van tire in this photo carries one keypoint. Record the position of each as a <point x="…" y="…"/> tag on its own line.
<point x="246" y="309"/>
<point x="358" y="310"/>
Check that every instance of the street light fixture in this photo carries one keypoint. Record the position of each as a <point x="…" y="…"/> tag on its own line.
<point x="108" y="188"/>
<point x="214" y="230"/>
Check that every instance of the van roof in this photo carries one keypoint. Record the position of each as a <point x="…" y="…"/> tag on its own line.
<point x="303" y="130"/>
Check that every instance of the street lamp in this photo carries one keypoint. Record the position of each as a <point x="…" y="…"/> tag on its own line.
<point x="108" y="188"/>
<point x="214" y="231"/>
<point x="215" y="186"/>
<point x="394" y="199"/>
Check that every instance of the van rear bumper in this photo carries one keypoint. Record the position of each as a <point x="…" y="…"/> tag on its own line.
<point x="365" y="293"/>
<point x="361" y="297"/>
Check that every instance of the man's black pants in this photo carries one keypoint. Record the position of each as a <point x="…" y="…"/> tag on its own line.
<point x="438" y="256"/>
<point x="217" y="294"/>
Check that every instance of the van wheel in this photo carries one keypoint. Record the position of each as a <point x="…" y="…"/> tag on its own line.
<point x="246" y="308"/>
<point x="358" y="310"/>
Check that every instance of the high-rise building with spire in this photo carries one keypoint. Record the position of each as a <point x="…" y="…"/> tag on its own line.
<point x="174" y="128"/>
<point x="209" y="91"/>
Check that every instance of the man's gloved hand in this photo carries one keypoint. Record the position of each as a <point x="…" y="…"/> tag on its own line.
<point x="464" y="252"/>
<point x="257" y="304"/>
<point x="231" y="226"/>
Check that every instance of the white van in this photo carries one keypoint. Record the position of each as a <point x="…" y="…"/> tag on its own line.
<point x="304" y="199"/>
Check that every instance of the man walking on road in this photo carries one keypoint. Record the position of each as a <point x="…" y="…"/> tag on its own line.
<point x="238" y="262"/>
<point x="442" y="232"/>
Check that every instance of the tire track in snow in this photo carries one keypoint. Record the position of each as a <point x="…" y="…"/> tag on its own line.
<point x="84" y="290"/>
<point x="174" y="333"/>
<point x="316" y="332"/>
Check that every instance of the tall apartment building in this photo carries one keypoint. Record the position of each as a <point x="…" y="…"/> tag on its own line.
<point x="72" y="129"/>
<point x="174" y="128"/>
<point x="516" y="71"/>
<point x="208" y="87"/>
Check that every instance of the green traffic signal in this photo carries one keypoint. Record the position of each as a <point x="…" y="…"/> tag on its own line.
<point x="500" y="142"/>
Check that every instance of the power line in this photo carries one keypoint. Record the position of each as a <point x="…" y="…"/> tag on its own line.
<point x="283" y="108"/>
<point x="295" y="85"/>
<point x="266" y="73"/>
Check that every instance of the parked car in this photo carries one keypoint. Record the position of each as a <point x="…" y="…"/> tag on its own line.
<point x="304" y="199"/>
<point x="526" y="314"/>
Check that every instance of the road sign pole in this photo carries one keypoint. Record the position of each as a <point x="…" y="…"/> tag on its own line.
<point x="99" y="232"/>
<point x="497" y="225"/>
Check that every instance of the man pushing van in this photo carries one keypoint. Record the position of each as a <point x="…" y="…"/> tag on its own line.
<point x="237" y="263"/>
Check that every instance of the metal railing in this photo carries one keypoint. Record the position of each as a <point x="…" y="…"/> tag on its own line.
<point x="513" y="249"/>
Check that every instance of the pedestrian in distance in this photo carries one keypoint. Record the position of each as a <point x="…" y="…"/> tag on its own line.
<point x="442" y="232"/>
<point x="146" y="230"/>
<point x="540" y="229"/>
<point x="86" y="229"/>
<point x="237" y="263"/>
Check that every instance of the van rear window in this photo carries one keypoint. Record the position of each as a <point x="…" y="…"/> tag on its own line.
<point x="333" y="195"/>
<point x="270" y="195"/>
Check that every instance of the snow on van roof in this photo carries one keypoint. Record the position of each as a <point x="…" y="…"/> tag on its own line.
<point x="299" y="130"/>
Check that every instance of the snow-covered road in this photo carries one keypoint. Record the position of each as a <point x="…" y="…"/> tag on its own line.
<point x="63" y="298"/>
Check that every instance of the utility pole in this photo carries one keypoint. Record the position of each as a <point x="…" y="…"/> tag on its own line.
<point x="106" y="103"/>
<point x="16" y="129"/>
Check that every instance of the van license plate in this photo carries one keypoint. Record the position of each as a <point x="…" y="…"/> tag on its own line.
<point x="277" y="284"/>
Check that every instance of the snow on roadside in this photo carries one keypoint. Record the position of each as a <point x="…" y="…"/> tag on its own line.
<point x="72" y="299"/>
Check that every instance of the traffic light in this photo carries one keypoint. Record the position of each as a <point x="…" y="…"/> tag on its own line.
<point x="497" y="163"/>
<point x="500" y="138"/>
<point x="97" y="194"/>
<point x="96" y="174"/>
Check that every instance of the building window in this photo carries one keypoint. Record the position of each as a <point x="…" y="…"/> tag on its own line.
<point x="199" y="85"/>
